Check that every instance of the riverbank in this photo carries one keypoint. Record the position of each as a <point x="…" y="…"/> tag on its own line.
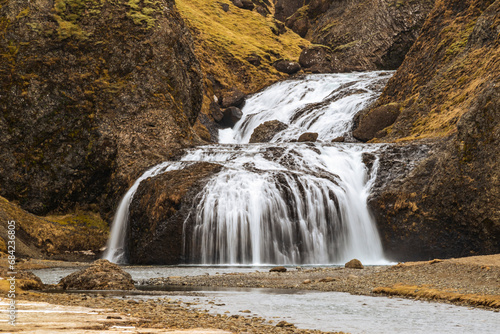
<point x="473" y="281"/>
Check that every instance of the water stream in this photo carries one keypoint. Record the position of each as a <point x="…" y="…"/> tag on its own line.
<point x="283" y="202"/>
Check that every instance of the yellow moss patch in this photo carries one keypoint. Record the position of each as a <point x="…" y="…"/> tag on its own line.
<point x="426" y="292"/>
<point x="224" y="39"/>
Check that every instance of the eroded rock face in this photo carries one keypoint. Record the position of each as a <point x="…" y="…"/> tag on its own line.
<point x="447" y="205"/>
<point x="85" y="107"/>
<point x="102" y="275"/>
<point x="266" y="131"/>
<point x="361" y="35"/>
<point x="158" y="211"/>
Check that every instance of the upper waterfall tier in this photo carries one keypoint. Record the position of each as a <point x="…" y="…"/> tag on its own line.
<point x="321" y="103"/>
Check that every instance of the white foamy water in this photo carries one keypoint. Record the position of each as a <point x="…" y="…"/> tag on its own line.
<point x="321" y="103"/>
<point x="282" y="202"/>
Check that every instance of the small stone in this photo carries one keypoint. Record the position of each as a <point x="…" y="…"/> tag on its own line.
<point x="327" y="279"/>
<point x="277" y="270"/>
<point x="354" y="264"/>
<point x="283" y="323"/>
<point x="307" y="281"/>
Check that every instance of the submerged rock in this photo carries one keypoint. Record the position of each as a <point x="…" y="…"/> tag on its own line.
<point x="266" y="131"/>
<point x="102" y="275"/>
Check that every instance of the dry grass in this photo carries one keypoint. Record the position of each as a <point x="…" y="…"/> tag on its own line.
<point x="224" y="39"/>
<point x="428" y="293"/>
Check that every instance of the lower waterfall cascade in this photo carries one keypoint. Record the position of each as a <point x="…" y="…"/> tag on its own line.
<point x="282" y="202"/>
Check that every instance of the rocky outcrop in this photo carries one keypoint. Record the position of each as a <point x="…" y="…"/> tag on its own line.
<point x="231" y="116"/>
<point x="158" y="211"/>
<point x="359" y="35"/>
<point x="102" y="275"/>
<point x="266" y="131"/>
<point x="448" y="89"/>
<point x="91" y="94"/>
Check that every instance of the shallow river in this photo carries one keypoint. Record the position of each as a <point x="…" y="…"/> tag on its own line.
<point x="327" y="311"/>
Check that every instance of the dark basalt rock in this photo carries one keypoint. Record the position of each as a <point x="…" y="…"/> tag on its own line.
<point x="255" y="60"/>
<point x="373" y="123"/>
<point x="244" y="4"/>
<point x="308" y="137"/>
<point x="279" y="269"/>
<point x="233" y="98"/>
<point x="231" y="116"/>
<point x="102" y="275"/>
<point x="266" y="131"/>
<point x="78" y="98"/>
<point x="288" y="67"/>
<point x="158" y="211"/>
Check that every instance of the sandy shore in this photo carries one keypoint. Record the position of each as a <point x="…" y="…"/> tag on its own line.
<point x="473" y="281"/>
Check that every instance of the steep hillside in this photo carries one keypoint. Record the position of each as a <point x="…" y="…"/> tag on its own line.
<point x="447" y="92"/>
<point x="91" y="94"/>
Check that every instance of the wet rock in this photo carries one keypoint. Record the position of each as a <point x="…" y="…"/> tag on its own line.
<point x="277" y="270"/>
<point x="288" y="67"/>
<point x="308" y="137"/>
<point x="233" y="98"/>
<point x="157" y="217"/>
<point x="371" y="124"/>
<point x="340" y="139"/>
<point x="231" y="116"/>
<point x="102" y="275"/>
<point x="354" y="264"/>
<point x="266" y="131"/>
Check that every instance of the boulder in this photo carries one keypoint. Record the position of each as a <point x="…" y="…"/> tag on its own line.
<point x="231" y="116"/>
<point x="279" y="269"/>
<point x="225" y="7"/>
<point x="266" y="131"/>
<point x="317" y="58"/>
<point x="354" y="264"/>
<point x="372" y="124"/>
<point x="102" y="275"/>
<point x="308" y="136"/>
<point x="340" y="139"/>
<point x="233" y="98"/>
<point x="288" y="67"/>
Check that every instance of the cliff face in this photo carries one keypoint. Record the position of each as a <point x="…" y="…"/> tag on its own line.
<point x="91" y="93"/>
<point x="359" y="34"/>
<point x="447" y="92"/>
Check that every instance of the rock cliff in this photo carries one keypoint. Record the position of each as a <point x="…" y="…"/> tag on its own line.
<point x="447" y="90"/>
<point x="91" y="93"/>
<point x="355" y="35"/>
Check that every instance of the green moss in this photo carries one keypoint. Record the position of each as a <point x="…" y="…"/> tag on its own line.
<point x="81" y="218"/>
<point x="141" y="14"/>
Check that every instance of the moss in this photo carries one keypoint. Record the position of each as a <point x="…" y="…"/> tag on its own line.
<point x="141" y="12"/>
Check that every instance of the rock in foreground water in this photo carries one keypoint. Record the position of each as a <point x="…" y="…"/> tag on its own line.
<point x="102" y="275"/>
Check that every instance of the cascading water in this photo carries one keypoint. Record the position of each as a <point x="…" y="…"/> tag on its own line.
<point x="283" y="202"/>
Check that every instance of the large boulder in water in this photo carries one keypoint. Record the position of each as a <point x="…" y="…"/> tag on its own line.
<point x="102" y="275"/>
<point x="266" y="131"/>
<point x="308" y="137"/>
<point x="158" y="211"/>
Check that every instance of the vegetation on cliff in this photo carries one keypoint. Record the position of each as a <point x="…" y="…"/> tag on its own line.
<point x="91" y="93"/>
<point x="447" y="92"/>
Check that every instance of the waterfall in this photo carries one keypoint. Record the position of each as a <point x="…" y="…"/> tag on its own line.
<point x="283" y="202"/>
